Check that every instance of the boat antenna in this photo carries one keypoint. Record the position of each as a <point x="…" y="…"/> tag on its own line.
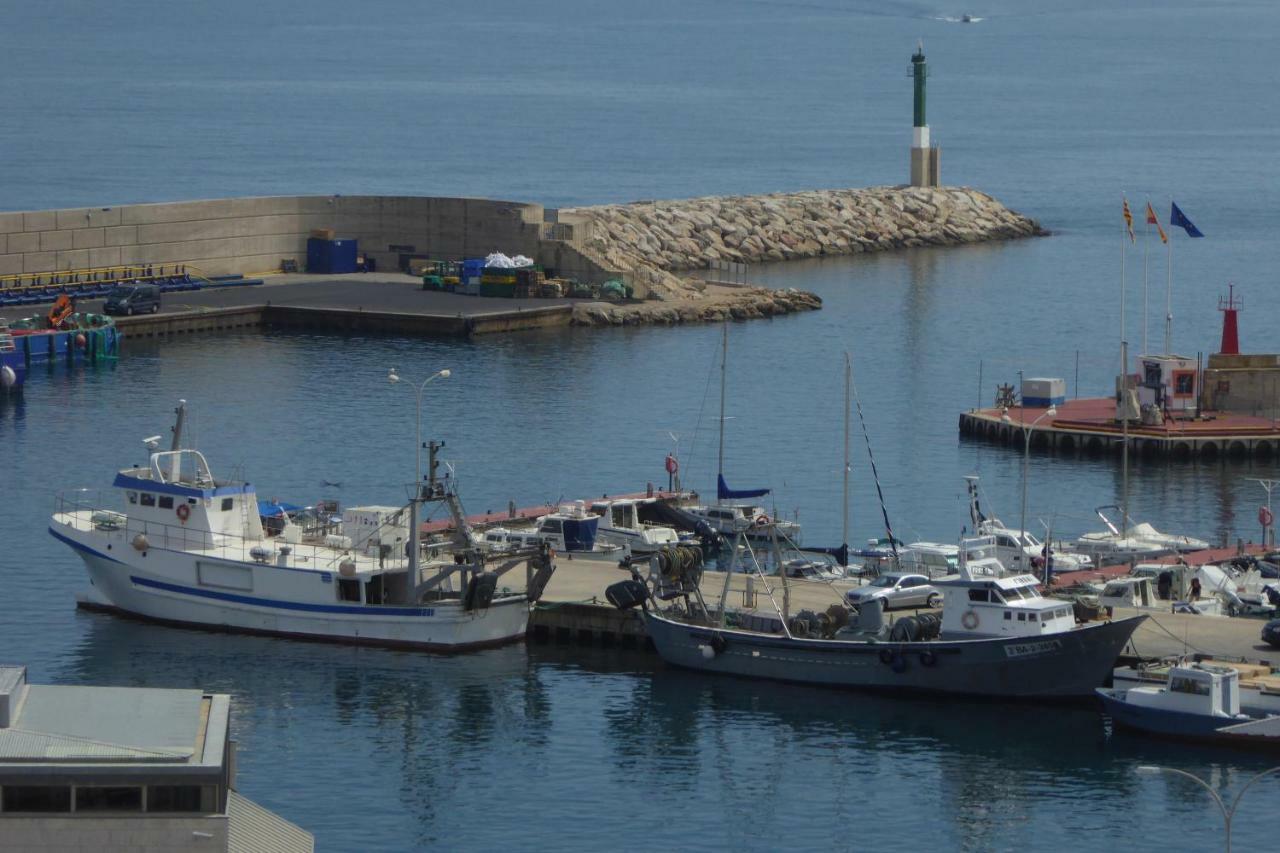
<point x="884" y="511"/>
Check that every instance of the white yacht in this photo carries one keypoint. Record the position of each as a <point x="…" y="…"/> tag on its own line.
<point x="1134" y="542"/>
<point x="620" y="524"/>
<point x="188" y="548"/>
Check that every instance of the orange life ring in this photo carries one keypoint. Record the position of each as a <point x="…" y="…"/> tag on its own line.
<point x="969" y="620"/>
<point x="184" y="512"/>
<point x="762" y="519"/>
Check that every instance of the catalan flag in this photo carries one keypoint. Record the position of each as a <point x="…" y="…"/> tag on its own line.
<point x="1151" y="218"/>
<point x="1128" y="221"/>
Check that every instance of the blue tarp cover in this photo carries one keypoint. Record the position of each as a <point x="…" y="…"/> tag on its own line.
<point x="727" y="494"/>
<point x="267" y="509"/>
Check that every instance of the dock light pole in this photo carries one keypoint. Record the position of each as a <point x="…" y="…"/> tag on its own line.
<point x="411" y="578"/>
<point x="1026" y="458"/>
<point x="1227" y="812"/>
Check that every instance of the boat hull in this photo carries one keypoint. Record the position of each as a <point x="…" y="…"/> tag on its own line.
<point x="1160" y="721"/>
<point x="163" y="586"/>
<point x="1069" y="665"/>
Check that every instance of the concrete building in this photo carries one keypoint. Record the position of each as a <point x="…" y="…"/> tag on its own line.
<point x="125" y="769"/>
<point x="924" y="157"/>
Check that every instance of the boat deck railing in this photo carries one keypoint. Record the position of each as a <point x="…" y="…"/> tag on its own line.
<point x="84" y="510"/>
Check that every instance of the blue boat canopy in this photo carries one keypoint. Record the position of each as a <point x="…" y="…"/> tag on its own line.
<point x="725" y="493"/>
<point x="269" y="509"/>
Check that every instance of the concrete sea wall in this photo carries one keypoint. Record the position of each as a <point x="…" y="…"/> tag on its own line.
<point x="654" y="241"/>
<point x="246" y="235"/>
<point x="651" y="245"/>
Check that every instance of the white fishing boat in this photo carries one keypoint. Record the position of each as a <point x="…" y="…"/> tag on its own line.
<point x="188" y="548"/>
<point x="1196" y="701"/>
<point x="1259" y="683"/>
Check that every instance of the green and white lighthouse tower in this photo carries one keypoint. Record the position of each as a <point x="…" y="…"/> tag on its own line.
<point x="924" y="157"/>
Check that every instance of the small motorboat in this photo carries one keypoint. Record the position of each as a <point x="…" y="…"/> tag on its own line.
<point x="1195" y="702"/>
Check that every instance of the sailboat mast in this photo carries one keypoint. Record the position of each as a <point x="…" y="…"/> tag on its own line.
<point x="724" y="363"/>
<point x="1124" y="450"/>
<point x="848" y="382"/>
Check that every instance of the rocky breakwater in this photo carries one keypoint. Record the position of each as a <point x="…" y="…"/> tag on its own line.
<point x="656" y="244"/>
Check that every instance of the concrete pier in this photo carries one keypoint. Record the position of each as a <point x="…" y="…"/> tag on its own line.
<point x="1089" y="426"/>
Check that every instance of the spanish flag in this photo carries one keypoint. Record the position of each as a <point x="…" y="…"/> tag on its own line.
<point x="1128" y="221"/>
<point x="1151" y="218"/>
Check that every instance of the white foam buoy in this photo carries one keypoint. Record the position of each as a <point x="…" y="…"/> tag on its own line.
<point x="8" y="377"/>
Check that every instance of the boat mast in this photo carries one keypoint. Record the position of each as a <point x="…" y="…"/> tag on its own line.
<point x="1124" y="450"/>
<point x="724" y="363"/>
<point x="848" y="381"/>
<point x="175" y="470"/>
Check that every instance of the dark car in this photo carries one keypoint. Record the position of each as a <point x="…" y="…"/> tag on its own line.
<point x="1271" y="633"/>
<point x="130" y="299"/>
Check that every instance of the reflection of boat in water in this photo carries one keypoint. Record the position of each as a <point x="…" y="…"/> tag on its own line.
<point x="998" y="637"/>
<point x="191" y="549"/>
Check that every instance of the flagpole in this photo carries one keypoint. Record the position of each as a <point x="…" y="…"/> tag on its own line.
<point x="1168" y="298"/>
<point x="1146" y="249"/>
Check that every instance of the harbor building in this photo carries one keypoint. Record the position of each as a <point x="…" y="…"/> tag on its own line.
<point x="924" y="156"/>
<point x="125" y="769"/>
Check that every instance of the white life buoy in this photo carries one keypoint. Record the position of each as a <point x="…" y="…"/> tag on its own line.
<point x="970" y="619"/>
<point x="184" y="512"/>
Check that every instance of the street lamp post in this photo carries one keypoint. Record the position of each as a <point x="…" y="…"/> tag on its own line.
<point x="411" y="578"/>
<point x="1227" y="812"/>
<point x="1026" y="458"/>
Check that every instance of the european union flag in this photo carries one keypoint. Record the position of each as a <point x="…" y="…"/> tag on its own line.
<point x="1177" y="217"/>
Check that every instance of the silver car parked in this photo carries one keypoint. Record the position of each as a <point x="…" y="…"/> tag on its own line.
<point x="896" y="589"/>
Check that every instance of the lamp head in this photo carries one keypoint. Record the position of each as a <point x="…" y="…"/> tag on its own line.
<point x="392" y="376"/>
<point x="1005" y="417"/>
<point x="444" y="374"/>
<point x="1052" y="411"/>
<point x="1147" y="768"/>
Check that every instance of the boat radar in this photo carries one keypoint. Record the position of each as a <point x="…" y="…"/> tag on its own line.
<point x="924" y="157"/>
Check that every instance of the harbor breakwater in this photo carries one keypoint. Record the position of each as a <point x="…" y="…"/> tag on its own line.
<point x="656" y="248"/>
<point x="655" y="242"/>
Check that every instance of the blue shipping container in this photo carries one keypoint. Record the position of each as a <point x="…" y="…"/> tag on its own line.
<point x="331" y="256"/>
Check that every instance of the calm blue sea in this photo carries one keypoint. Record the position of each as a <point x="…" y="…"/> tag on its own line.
<point x="1056" y="109"/>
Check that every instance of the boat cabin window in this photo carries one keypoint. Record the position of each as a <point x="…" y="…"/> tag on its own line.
<point x="978" y="595"/>
<point x="349" y="590"/>
<point x="133" y="497"/>
<point x="1188" y="685"/>
<point x="148" y="499"/>
<point x="166" y="502"/>
<point x="1006" y="542"/>
<point x="1031" y="617"/>
<point x="1022" y="617"/>
<point x="227" y="503"/>
<point x="1008" y="615"/>
<point x="551" y="525"/>
<point x="375" y="591"/>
